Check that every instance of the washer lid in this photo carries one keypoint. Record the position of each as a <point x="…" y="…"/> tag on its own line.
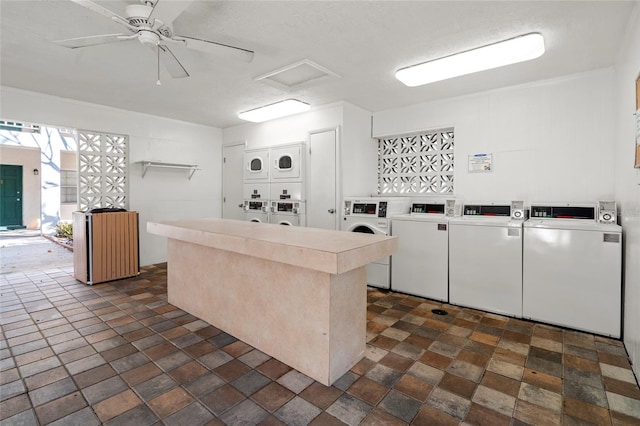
<point x="421" y="217"/>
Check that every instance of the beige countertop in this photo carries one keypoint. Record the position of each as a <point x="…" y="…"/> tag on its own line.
<point x="323" y="250"/>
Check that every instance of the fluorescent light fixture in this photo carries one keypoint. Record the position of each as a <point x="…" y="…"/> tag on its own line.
<point x="517" y="49"/>
<point x="277" y="110"/>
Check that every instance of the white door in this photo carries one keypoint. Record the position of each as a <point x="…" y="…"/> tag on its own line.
<point x="232" y="161"/>
<point x="322" y="192"/>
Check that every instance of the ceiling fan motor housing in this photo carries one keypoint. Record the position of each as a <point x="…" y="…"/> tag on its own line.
<point x="149" y="32"/>
<point x="138" y="15"/>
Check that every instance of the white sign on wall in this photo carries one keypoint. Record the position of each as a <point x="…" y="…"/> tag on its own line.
<point x="480" y="163"/>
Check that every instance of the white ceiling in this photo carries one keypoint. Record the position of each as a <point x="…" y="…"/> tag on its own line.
<point x="364" y="42"/>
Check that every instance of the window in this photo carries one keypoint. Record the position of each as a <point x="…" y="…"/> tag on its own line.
<point x="256" y="165"/>
<point x="68" y="186"/>
<point x="416" y="164"/>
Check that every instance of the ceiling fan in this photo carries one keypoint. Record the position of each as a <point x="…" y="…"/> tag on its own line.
<point x="150" y="23"/>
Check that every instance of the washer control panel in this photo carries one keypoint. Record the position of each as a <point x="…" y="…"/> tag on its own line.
<point x="607" y="212"/>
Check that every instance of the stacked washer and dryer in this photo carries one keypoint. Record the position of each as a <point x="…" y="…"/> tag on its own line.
<point x="372" y="215"/>
<point x="274" y="185"/>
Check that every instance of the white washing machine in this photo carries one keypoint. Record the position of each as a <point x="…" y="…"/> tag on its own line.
<point x="372" y="215"/>
<point x="288" y="212"/>
<point x="421" y="264"/>
<point x="256" y="165"/>
<point x="572" y="267"/>
<point x="257" y="211"/>
<point x="485" y="257"/>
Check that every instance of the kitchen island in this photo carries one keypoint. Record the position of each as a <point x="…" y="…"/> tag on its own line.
<point x="297" y="294"/>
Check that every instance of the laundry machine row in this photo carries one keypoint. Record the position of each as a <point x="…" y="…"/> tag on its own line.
<point x="561" y="266"/>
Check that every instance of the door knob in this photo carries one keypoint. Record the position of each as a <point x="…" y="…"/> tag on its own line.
<point x="332" y="211"/>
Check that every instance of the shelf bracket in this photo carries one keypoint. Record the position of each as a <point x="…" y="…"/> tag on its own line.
<point x="146" y="165"/>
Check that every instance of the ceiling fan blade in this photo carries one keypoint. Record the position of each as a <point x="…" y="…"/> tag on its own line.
<point x="74" y="43"/>
<point x="166" y="11"/>
<point x="99" y="9"/>
<point x="216" y="48"/>
<point x="171" y="63"/>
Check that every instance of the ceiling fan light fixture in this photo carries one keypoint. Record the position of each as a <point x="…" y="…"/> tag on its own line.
<point x="511" y="51"/>
<point x="275" y="110"/>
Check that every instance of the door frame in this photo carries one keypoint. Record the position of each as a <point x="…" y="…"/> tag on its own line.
<point x="20" y="191"/>
<point x="338" y="177"/>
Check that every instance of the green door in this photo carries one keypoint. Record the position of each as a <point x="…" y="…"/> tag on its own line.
<point x="10" y="195"/>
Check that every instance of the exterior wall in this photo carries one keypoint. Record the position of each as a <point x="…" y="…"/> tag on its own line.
<point x="50" y="142"/>
<point x="29" y="159"/>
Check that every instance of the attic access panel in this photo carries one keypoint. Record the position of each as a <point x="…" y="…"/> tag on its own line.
<point x="296" y="75"/>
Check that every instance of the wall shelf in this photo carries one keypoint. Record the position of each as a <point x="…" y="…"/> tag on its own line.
<point x="146" y="165"/>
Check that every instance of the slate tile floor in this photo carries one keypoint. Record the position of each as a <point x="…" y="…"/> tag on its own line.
<point x="118" y="354"/>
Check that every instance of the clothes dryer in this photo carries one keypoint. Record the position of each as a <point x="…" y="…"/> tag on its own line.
<point x="287" y="163"/>
<point x="256" y="165"/>
<point x="485" y="257"/>
<point x="572" y="267"/>
<point x="372" y="215"/>
<point x="421" y="264"/>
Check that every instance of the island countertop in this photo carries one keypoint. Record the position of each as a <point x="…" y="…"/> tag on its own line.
<point x="333" y="252"/>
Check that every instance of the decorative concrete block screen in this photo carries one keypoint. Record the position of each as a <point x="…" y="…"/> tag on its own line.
<point x="416" y="164"/>
<point x="102" y="170"/>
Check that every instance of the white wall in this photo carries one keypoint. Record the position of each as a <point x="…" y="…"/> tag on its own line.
<point x="551" y="140"/>
<point x="359" y="153"/>
<point x="29" y="159"/>
<point x="163" y="194"/>
<point x="627" y="182"/>
<point x="285" y="130"/>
